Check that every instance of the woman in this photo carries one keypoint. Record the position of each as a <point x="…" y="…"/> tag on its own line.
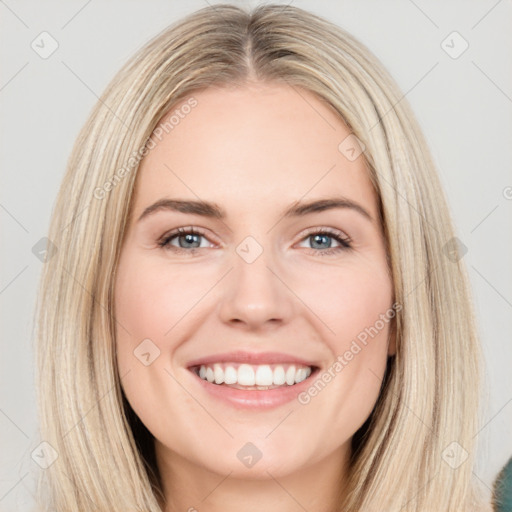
<point x="258" y="369"/>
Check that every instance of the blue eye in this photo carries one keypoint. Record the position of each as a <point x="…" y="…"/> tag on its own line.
<point x="189" y="241"/>
<point x="322" y="240"/>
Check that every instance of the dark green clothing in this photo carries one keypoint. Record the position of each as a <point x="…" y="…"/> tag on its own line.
<point x="503" y="489"/>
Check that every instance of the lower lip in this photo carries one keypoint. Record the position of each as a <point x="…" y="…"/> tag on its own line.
<point x="254" y="398"/>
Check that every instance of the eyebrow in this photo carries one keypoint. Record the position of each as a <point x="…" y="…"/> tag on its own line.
<point x="213" y="210"/>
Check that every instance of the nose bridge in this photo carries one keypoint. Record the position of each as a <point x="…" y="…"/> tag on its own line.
<point x="254" y="294"/>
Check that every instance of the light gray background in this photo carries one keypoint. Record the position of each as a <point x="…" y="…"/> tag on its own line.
<point x="464" y="106"/>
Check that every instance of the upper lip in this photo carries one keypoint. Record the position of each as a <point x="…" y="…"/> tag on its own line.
<point x="251" y="358"/>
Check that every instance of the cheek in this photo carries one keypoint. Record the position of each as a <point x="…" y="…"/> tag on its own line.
<point x="151" y="300"/>
<point x="354" y="306"/>
<point x="154" y="302"/>
<point x="348" y="300"/>
<point x="149" y="303"/>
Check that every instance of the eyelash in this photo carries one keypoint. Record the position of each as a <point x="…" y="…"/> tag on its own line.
<point x="345" y="242"/>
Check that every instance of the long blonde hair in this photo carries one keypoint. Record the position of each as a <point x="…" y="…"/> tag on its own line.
<point x="427" y="414"/>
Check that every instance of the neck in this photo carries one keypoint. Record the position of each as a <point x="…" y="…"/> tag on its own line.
<point x="191" y="488"/>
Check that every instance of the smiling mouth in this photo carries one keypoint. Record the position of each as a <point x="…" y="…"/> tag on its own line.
<point x="254" y="377"/>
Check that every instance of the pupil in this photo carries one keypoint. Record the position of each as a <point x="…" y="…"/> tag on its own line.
<point x="321" y="238"/>
<point x="189" y="239"/>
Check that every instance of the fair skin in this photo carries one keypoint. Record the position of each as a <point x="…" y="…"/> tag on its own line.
<point x="253" y="151"/>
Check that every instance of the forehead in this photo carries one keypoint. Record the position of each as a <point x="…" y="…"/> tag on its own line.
<point x="254" y="145"/>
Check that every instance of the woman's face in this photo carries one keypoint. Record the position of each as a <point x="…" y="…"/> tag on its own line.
<point x="255" y="291"/>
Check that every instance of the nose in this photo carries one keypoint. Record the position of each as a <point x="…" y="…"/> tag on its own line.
<point x="255" y="294"/>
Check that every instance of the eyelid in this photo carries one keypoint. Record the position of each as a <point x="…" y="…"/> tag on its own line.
<point x="167" y="236"/>
<point x="337" y="233"/>
<point x="325" y="229"/>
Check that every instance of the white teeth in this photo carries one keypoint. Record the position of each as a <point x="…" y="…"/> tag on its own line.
<point x="279" y="376"/>
<point x="254" y="375"/>
<point x="218" y="373"/>
<point x="290" y="376"/>
<point x="245" y="375"/>
<point x="264" y="375"/>
<point x="230" y="375"/>
<point x="300" y="375"/>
